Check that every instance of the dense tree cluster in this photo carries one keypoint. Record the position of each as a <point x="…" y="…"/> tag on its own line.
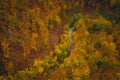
<point x="30" y="28"/>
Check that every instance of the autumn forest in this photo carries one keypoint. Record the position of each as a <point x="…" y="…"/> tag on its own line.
<point x="59" y="39"/>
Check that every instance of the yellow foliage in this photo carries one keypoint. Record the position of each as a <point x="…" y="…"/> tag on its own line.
<point x="111" y="46"/>
<point x="102" y="20"/>
<point x="5" y="44"/>
<point x="80" y="24"/>
<point x="96" y="54"/>
<point x="38" y="62"/>
<point x="51" y="27"/>
<point x="33" y="41"/>
<point x="80" y="71"/>
<point x="55" y="58"/>
<point x="34" y="35"/>
<point x="51" y="53"/>
<point x="86" y="33"/>
<point x="76" y="72"/>
<point x="83" y="51"/>
<point x="9" y="66"/>
<point x="58" y="20"/>
<point x="3" y="78"/>
<point x="40" y="70"/>
<point x="77" y="36"/>
<point x="67" y="61"/>
<point x="5" y="47"/>
<point x="57" y="50"/>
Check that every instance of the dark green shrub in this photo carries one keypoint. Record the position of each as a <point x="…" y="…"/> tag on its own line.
<point x="74" y="19"/>
<point x="97" y="45"/>
<point x="99" y="27"/>
<point x="84" y="77"/>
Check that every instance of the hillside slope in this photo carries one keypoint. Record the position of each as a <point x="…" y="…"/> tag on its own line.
<point x="59" y="39"/>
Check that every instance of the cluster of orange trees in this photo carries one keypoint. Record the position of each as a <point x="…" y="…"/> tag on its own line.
<point x="25" y="29"/>
<point x="95" y="54"/>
